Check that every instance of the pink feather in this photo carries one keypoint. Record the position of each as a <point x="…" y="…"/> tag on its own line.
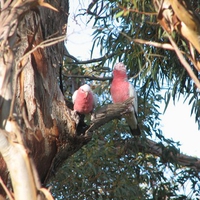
<point x="121" y="90"/>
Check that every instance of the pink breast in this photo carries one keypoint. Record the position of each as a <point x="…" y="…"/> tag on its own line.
<point x="119" y="91"/>
<point x="84" y="104"/>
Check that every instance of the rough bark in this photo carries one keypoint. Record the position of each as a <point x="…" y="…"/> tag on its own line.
<point x="29" y="91"/>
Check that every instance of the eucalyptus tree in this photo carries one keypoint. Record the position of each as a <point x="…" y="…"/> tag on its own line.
<point x="38" y="128"/>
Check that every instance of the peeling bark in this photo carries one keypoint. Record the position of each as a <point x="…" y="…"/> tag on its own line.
<point x="21" y="188"/>
<point x="33" y="101"/>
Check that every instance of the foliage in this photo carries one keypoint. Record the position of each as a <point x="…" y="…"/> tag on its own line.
<point x="152" y="67"/>
<point x="104" y="169"/>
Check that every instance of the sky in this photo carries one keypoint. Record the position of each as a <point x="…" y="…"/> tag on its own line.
<point x="176" y="122"/>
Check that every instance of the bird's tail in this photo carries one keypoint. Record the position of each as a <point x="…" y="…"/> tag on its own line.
<point x="135" y="131"/>
<point x="131" y="119"/>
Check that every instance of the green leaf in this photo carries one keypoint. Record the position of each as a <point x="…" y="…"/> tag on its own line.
<point x="119" y="14"/>
<point x="167" y="100"/>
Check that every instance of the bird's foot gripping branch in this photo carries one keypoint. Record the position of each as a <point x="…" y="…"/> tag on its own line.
<point x="108" y="113"/>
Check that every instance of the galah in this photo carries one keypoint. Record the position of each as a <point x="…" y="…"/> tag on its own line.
<point x="84" y="100"/>
<point x="121" y="90"/>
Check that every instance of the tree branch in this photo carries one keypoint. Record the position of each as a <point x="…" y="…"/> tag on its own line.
<point x="103" y="116"/>
<point x="155" y="44"/>
<point x="113" y="111"/>
<point x="108" y="113"/>
<point x="106" y="56"/>
<point x="8" y="193"/>
<point x="98" y="78"/>
<point x="156" y="149"/>
<point x="184" y="62"/>
<point x="82" y="137"/>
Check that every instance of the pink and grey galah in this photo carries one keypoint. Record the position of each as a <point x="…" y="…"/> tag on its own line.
<point x="121" y="90"/>
<point x="84" y="100"/>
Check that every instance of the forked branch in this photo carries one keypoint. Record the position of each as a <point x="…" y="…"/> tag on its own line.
<point x="114" y="111"/>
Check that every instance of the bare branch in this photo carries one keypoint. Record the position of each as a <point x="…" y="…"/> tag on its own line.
<point x="108" y="113"/>
<point x="106" y="56"/>
<point x="114" y="111"/>
<point x="100" y="117"/>
<point x="154" y="148"/>
<point x="44" y="44"/>
<point x="103" y="116"/>
<point x="98" y="78"/>
<point x="6" y="189"/>
<point x="184" y="62"/>
<point x="178" y="52"/>
<point x="137" y="11"/>
<point x="155" y="44"/>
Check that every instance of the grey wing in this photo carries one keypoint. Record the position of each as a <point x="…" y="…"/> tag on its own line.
<point x="131" y="117"/>
<point x="95" y="97"/>
<point x="132" y="93"/>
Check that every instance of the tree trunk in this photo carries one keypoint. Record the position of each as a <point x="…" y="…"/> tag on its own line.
<point x="31" y="100"/>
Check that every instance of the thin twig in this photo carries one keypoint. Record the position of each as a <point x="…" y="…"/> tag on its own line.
<point x="43" y="44"/>
<point x="169" y="47"/>
<point x="184" y="62"/>
<point x="6" y="189"/>
<point x="155" y="44"/>
<point x="98" y="78"/>
<point x="166" y="46"/>
<point x="137" y="11"/>
<point x="106" y="56"/>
